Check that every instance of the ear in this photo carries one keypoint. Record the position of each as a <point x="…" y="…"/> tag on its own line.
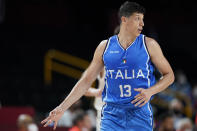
<point x="123" y="19"/>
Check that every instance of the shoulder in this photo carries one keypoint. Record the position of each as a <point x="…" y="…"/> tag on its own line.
<point x="151" y="43"/>
<point x="152" y="46"/>
<point x="100" y="49"/>
<point x="101" y="46"/>
<point x="103" y="43"/>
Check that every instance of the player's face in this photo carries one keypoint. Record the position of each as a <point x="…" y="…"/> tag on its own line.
<point x="135" y="23"/>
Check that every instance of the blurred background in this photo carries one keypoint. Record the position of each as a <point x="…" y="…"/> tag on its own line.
<point x="42" y="40"/>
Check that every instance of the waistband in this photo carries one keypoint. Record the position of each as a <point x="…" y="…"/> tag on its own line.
<point x="123" y="106"/>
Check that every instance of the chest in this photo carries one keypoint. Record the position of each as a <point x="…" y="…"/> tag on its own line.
<point x="132" y="57"/>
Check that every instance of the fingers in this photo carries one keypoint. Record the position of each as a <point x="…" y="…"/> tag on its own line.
<point x="139" y="102"/>
<point x="138" y="89"/>
<point x="45" y="120"/>
<point x="48" y="123"/>
<point x="140" y="94"/>
<point x="143" y="104"/>
<point x="139" y="97"/>
<point x="55" y="125"/>
<point x="50" y="119"/>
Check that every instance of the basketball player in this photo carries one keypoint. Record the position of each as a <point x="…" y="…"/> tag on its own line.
<point x="129" y="59"/>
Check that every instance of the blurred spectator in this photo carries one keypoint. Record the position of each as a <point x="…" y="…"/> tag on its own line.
<point x="67" y="119"/>
<point x="182" y="90"/>
<point x="184" y="124"/>
<point x="87" y="123"/>
<point x="176" y="107"/>
<point x="81" y="122"/>
<point x="25" y="123"/>
<point x="32" y="127"/>
<point x="93" y="118"/>
<point x="166" y="122"/>
<point x="181" y="84"/>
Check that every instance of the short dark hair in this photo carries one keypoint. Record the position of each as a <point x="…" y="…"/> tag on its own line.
<point x="128" y="8"/>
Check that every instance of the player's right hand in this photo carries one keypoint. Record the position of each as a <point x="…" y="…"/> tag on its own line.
<point x="54" y="116"/>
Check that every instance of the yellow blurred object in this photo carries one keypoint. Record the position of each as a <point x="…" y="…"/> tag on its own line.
<point x="50" y="65"/>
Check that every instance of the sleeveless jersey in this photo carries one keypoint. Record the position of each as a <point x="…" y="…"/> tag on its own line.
<point x="126" y="69"/>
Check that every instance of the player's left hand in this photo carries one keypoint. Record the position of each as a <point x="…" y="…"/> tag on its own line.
<point x="142" y="98"/>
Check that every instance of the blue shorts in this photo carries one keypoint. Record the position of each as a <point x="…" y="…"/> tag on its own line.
<point x="124" y="118"/>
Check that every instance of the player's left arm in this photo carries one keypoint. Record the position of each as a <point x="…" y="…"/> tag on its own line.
<point x="164" y="68"/>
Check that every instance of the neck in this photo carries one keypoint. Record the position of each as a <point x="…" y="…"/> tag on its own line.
<point x="125" y="38"/>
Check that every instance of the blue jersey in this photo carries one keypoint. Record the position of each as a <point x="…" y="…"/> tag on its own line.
<point x="126" y="69"/>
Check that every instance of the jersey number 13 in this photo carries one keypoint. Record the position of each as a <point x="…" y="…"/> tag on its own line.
<point x="125" y="90"/>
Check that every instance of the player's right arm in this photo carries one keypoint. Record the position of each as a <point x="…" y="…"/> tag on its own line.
<point x="81" y="86"/>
